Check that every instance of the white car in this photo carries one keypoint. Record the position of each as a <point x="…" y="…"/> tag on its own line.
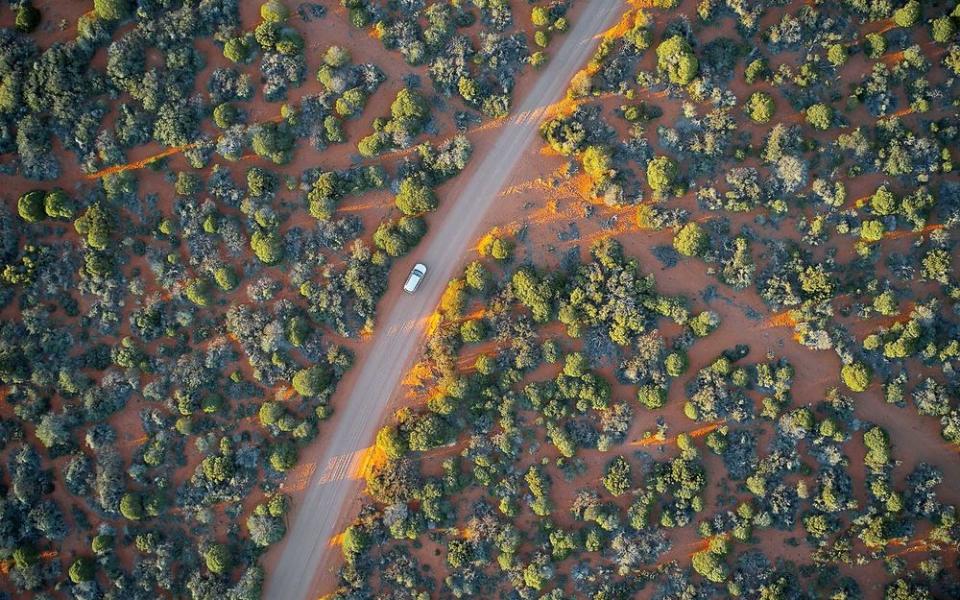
<point x="416" y="276"/>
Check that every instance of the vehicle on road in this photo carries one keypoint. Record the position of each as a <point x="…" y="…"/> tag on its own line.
<point x="416" y="276"/>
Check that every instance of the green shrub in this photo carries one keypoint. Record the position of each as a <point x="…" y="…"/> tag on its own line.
<point x="30" y="206"/>
<point x="675" y="58"/>
<point x="476" y="276"/>
<point x="755" y="71"/>
<point x="102" y="543"/>
<point x="652" y="396"/>
<point x="617" y="477"/>
<point x="691" y="240"/>
<point x="391" y="443"/>
<point x="267" y="246"/>
<point x="598" y="163"/>
<point x="837" y="54"/>
<point x="95" y="225"/>
<point x="414" y="197"/>
<point x="709" y="566"/>
<point x="871" y="231"/>
<point x="908" y="14"/>
<point x="856" y="376"/>
<point x="274" y="11"/>
<point x="240" y="49"/>
<point x="877" y="443"/>
<point x="761" y="107"/>
<point x="820" y="116"/>
<point x="217" y="558"/>
<point x="225" y="115"/>
<point x="198" y="292"/>
<point x="336" y="56"/>
<point x="311" y="381"/>
<point x="28" y="18"/>
<point x="226" y="278"/>
<point x="540" y="16"/>
<point x="283" y="456"/>
<point x="131" y="506"/>
<point x="58" y="205"/>
<point x="942" y="30"/>
<point x="112" y="10"/>
<point x="270" y="413"/>
<point x="82" y="569"/>
<point x="883" y="202"/>
<point x="676" y="363"/>
<point x="661" y="173"/>
<point x="704" y="323"/>
<point x="876" y="45"/>
<point x="473" y="331"/>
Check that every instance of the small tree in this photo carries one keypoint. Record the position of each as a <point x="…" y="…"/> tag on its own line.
<point x="283" y="456"/>
<point x="82" y="569"/>
<point x="820" y="116"/>
<point x="675" y="58"/>
<point x="652" y="396"/>
<point x="908" y="14"/>
<point x="856" y="376"/>
<point x="617" y="477"/>
<point x="877" y="443"/>
<point x="871" y="231"/>
<point x="112" y="10"/>
<point x="942" y="30"/>
<point x="28" y="18"/>
<point x="691" y="240"/>
<point x="131" y="506"/>
<point x="414" y="198"/>
<point x="336" y="56"/>
<point x="58" y="205"/>
<point x="274" y="11"/>
<point x="761" y="107"/>
<point x="676" y="363"/>
<point x="837" y="55"/>
<point x="30" y="206"/>
<point x="391" y="443"/>
<point x="217" y="557"/>
<point x="661" y="173"/>
<point x="310" y="382"/>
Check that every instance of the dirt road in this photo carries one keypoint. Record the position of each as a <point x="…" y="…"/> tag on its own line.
<point x="307" y="547"/>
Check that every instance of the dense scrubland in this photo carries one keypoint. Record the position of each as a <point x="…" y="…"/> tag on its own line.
<point x="709" y="347"/>
<point x="203" y="200"/>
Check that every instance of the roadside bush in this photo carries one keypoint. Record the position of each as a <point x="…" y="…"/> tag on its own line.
<point x="311" y="381"/>
<point x="414" y="197"/>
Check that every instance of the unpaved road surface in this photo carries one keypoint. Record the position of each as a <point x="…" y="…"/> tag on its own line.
<point x="307" y="548"/>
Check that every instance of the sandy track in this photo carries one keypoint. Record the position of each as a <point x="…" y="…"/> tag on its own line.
<point x="400" y="332"/>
